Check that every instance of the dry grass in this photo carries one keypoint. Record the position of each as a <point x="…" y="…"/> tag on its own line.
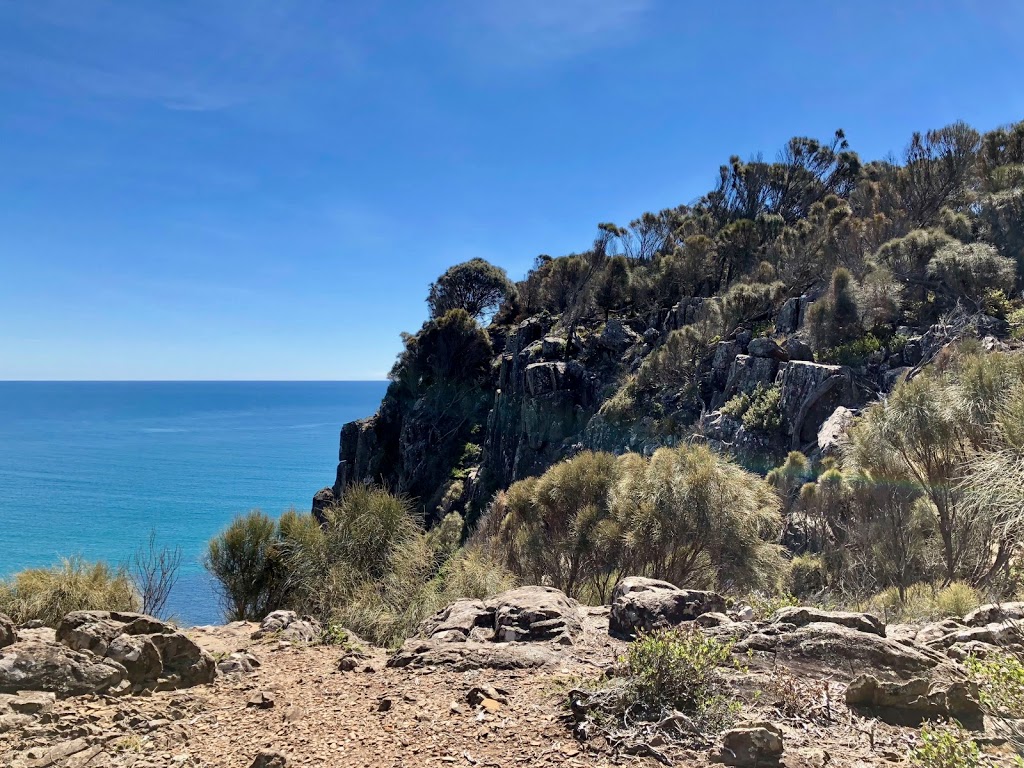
<point x="48" y="594"/>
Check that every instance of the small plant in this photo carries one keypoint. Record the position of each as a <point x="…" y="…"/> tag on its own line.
<point x="852" y="353"/>
<point x="679" y="669"/>
<point x="765" y="605"/>
<point x="338" y="636"/>
<point x="1000" y="678"/>
<point x="947" y="745"/>
<point x="737" y="405"/>
<point x="763" y="413"/>
<point x="957" y="599"/>
<point x="759" y="410"/>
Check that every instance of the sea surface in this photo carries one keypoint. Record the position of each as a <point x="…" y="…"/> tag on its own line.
<point x="91" y="468"/>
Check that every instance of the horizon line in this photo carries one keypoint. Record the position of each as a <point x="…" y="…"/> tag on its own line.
<point x="193" y="381"/>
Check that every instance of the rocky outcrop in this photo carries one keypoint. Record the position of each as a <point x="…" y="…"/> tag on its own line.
<point x="8" y="635"/>
<point x="526" y="614"/>
<point x="800" y="616"/>
<point x="838" y="647"/>
<point x="810" y="394"/>
<point x="290" y="627"/>
<point x="833" y="430"/>
<point x="917" y="700"/>
<point x="152" y="653"/>
<point x="36" y="666"/>
<point x="642" y="605"/>
<point x="517" y="629"/>
<point x="754" y="745"/>
<point x="993" y="613"/>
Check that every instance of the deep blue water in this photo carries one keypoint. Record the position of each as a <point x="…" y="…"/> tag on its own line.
<point x="89" y="468"/>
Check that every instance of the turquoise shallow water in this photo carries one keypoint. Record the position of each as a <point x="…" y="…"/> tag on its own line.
<point x="89" y="468"/>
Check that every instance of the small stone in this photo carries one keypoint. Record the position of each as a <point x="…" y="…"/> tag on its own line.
<point x="33" y="702"/>
<point x="490" y="705"/>
<point x="384" y="705"/>
<point x="261" y="700"/>
<point x="269" y="759"/>
<point x="752" y="746"/>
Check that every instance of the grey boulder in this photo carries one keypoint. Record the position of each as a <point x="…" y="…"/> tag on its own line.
<point x="642" y="605"/>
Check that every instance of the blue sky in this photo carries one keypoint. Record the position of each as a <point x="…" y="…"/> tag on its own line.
<point x="263" y="190"/>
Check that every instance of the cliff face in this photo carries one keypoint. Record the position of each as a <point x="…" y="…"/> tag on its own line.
<point x="451" y="445"/>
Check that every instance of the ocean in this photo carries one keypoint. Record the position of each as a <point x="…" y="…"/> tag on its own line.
<point x="90" y="468"/>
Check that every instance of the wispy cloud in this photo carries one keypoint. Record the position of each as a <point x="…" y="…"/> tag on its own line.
<point x="530" y="33"/>
<point x="184" y="57"/>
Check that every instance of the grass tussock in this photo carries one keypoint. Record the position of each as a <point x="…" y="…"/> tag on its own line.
<point x="48" y="594"/>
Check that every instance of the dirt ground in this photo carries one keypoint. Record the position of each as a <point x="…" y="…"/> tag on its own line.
<point x="298" y="703"/>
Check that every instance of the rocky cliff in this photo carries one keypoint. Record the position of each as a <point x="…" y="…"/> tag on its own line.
<point x="450" y="445"/>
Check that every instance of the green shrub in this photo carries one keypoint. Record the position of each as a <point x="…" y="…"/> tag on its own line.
<point x="853" y="353"/>
<point x="49" y="594"/>
<point x="737" y="405"/>
<point x="946" y="746"/>
<point x="759" y="410"/>
<point x="763" y="414"/>
<point x="957" y="599"/>
<point x="679" y="669"/>
<point x="247" y="560"/>
<point x="808" y="575"/>
<point x="1000" y="678"/>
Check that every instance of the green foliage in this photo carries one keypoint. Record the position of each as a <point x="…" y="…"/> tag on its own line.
<point x="678" y="670"/>
<point x="957" y="599"/>
<point x="475" y="286"/>
<point x="854" y="352"/>
<point x="686" y="515"/>
<point x="1000" y="678"/>
<point x="971" y="270"/>
<point x="763" y="415"/>
<point x="834" y="319"/>
<point x="808" y="575"/>
<point x="947" y="746"/>
<point x="934" y="438"/>
<point x="247" y="561"/>
<point x="48" y="594"/>
<point x="673" y="365"/>
<point x="613" y="285"/>
<point x="759" y="410"/>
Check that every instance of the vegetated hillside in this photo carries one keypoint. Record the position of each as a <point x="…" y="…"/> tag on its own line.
<point x="793" y="290"/>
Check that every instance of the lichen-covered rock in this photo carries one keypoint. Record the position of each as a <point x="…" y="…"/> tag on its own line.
<point x="833" y="430"/>
<point x="526" y="614"/>
<point x="913" y="701"/>
<point x="798" y="350"/>
<point x="459" y="621"/>
<point x="765" y="347"/>
<point x="36" y="666"/>
<point x="473" y="655"/>
<point x="153" y="654"/>
<point x="810" y="393"/>
<point x="535" y="613"/>
<point x="800" y="616"/>
<point x="640" y="604"/>
<point x="993" y="613"/>
<point x="288" y="625"/>
<point x="840" y="648"/>
<point x="8" y="635"/>
<point x="754" y="745"/>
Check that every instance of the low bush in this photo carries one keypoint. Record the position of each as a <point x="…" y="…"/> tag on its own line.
<point x="853" y="353"/>
<point x="671" y="680"/>
<point x="808" y="575"/>
<point x="957" y="599"/>
<point x="947" y="746"/>
<point x="48" y="594"/>
<point x="759" y="410"/>
<point x="678" y="669"/>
